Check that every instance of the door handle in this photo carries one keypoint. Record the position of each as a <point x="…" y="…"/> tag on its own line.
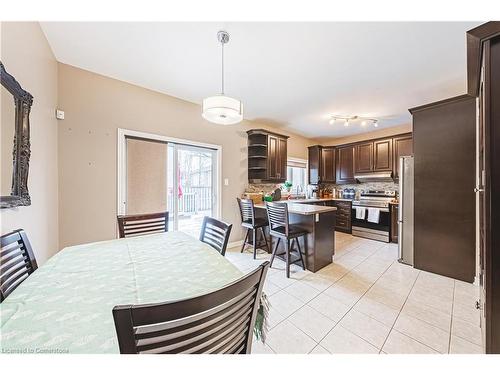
<point x="478" y="305"/>
<point x="477" y="190"/>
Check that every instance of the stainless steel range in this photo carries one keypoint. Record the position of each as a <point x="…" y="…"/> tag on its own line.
<point x="371" y="215"/>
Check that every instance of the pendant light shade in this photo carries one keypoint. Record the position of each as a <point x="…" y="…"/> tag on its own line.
<point x="221" y="109"/>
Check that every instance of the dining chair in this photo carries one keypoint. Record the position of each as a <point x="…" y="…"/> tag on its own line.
<point x="221" y="321"/>
<point x="280" y="228"/>
<point x="215" y="233"/>
<point x="136" y="225"/>
<point x="17" y="261"/>
<point x="253" y="224"/>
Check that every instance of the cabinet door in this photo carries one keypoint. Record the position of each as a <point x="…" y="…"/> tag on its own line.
<point x="382" y="155"/>
<point x="282" y="158"/>
<point x="345" y="165"/>
<point x="364" y="157"/>
<point x="272" y="156"/>
<point x="328" y="165"/>
<point x="313" y="165"/>
<point x="403" y="146"/>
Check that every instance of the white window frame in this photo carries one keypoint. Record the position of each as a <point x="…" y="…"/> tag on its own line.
<point x="122" y="164"/>
<point x="305" y="162"/>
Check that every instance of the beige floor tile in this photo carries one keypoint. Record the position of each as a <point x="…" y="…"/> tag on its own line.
<point x="342" y="341"/>
<point x="285" y="303"/>
<point x="302" y="291"/>
<point x="428" y="314"/>
<point x="319" y="350"/>
<point x="423" y="332"/>
<point x="465" y="297"/>
<point x="461" y="346"/>
<point x="285" y="338"/>
<point x="311" y="322"/>
<point x="349" y="261"/>
<point x="280" y="279"/>
<point x="347" y="294"/>
<point x="274" y="317"/>
<point x="367" y="328"/>
<point x="259" y="348"/>
<point x="469" y="313"/>
<point x="317" y="282"/>
<point x="436" y="302"/>
<point x="383" y="313"/>
<point x="466" y="331"/>
<point x="330" y="307"/>
<point x="387" y="297"/>
<point x="270" y="288"/>
<point x="397" y="343"/>
<point x="333" y="272"/>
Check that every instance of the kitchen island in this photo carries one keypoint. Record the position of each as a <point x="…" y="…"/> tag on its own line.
<point x="319" y="222"/>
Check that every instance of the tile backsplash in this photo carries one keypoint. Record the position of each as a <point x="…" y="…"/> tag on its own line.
<point x="385" y="186"/>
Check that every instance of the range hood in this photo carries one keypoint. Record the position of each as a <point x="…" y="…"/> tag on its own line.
<point x="374" y="177"/>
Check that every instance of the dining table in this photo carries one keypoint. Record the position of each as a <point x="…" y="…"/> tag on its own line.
<point x="66" y="305"/>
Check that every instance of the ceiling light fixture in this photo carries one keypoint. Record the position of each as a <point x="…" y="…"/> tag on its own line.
<point x="348" y="119"/>
<point x="221" y="109"/>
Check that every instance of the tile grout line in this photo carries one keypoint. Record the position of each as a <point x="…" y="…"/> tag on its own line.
<point x="451" y="320"/>
<point x="400" y="310"/>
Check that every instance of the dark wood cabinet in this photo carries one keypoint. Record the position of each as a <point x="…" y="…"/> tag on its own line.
<point x="382" y="155"/>
<point x="403" y="146"/>
<point x="343" y="216"/>
<point x="444" y="202"/>
<point x="364" y="157"/>
<point x="328" y="164"/>
<point x="394" y="211"/>
<point x="267" y="156"/>
<point x="345" y="165"/>
<point x="321" y="167"/>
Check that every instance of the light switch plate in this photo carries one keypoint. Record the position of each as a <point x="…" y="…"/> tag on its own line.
<point x="226" y="182"/>
<point x="59" y="114"/>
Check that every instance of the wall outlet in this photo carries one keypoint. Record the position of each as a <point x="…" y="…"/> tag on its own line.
<point x="59" y="114"/>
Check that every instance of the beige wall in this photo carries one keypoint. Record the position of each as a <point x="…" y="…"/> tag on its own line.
<point x="95" y="106"/>
<point x="406" y="128"/>
<point x="28" y="57"/>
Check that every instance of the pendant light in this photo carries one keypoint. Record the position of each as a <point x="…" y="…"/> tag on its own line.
<point x="221" y="109"/>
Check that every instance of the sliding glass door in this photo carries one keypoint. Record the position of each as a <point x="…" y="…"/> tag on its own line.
<point x="174" y="177"/>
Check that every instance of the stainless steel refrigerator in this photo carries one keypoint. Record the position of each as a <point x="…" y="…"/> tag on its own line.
<point x="405" y="219"/>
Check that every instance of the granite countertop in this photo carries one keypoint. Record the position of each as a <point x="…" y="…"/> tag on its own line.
<point x="301" y="208"/>
<point x="314" y="200"/>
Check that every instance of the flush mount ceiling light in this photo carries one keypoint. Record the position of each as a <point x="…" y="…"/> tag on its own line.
<point x="221" y="109"/>
<point x="348" y="119"/>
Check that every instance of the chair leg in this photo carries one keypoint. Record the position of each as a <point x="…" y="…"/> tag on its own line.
<point x="274" y="252"/>
<point x="245" y="241"/>
<point x="287" y="257"/>
<point x="300" y="253"/>
<point x="265" y="239"/>
<point x="254" y="238"/>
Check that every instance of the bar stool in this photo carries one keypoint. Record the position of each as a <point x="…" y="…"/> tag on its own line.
<point x="279" y="227"/>
<point x="252" y="223"/>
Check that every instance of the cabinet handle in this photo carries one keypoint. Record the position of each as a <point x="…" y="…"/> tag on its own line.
<point x="477" y="190"/>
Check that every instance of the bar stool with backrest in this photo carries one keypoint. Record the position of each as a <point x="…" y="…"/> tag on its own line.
<point x="279" y="227"/>
<point x="252" y="223"/>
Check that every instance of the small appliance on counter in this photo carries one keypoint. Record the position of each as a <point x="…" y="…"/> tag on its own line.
<point x="348" y="193"/>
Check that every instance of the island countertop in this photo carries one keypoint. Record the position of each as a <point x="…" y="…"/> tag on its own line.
<point x="302" y="208"/>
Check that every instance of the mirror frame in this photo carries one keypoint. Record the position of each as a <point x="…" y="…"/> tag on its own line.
<point x="23" y="101"/>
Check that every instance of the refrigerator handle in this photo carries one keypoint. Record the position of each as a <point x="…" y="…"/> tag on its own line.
<point x="401" y="190"/>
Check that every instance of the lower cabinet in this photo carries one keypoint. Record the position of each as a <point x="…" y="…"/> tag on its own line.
<point x="343" y="216"/>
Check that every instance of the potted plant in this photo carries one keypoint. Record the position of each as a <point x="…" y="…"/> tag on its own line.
<point x="287" y="185"/>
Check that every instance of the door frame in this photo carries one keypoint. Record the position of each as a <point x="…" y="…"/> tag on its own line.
<point x="121" y="181"/>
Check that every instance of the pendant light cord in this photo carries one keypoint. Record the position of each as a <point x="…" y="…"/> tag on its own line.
<point x="222" y="90"/>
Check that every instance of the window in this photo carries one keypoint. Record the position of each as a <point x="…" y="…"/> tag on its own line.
<point x="297" y="175"/>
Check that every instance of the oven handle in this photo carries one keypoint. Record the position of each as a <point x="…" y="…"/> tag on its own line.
<point x="380" y="208"/>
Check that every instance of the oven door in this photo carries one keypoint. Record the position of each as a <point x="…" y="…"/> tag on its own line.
<point x="375" y="231"/>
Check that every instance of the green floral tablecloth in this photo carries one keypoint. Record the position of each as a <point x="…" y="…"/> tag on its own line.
<point x="65" y="306"/>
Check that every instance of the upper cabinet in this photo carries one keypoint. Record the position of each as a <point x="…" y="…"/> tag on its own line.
<point x="403" y="146"/>
<point x="321" y="165"/>
<point x="364" y="157"/>
<point x="382" y="155"/>
<point x="339" y="164"/>
<point x="345" y="164"/>
<point x="267" y="156"/>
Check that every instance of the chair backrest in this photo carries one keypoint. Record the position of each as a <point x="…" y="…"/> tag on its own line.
<point x="218" y="322"/>
<point x="247" y="210"/>
<point x="277" y="214"/>
<point x="136" y="225"/>
<point x="17" y="261"/>
<point x="215" y="233"/>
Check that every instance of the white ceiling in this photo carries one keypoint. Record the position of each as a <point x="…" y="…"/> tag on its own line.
<point x="291" y="75"/>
